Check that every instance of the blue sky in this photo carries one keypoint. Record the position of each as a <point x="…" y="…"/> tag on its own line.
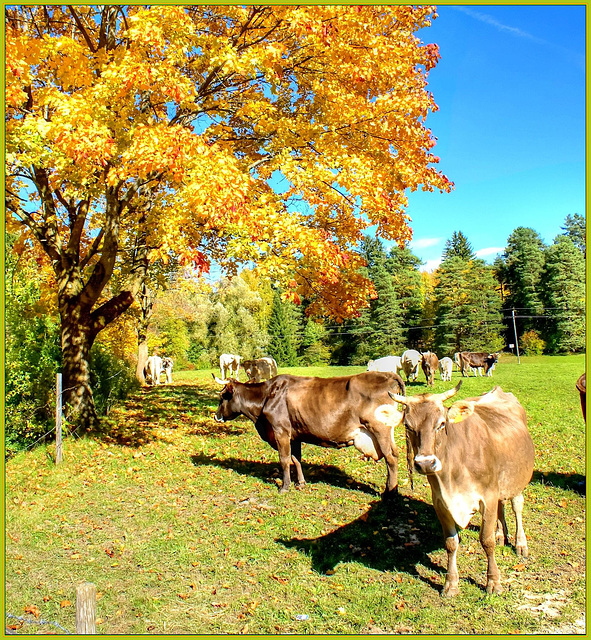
<point x="510" y="88"/>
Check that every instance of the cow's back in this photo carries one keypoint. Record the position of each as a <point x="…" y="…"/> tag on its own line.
<point x="494" y="443"/>
<point x="331" y="406"/>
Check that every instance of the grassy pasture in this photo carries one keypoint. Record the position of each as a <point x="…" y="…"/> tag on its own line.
<point x="178" y="522"/>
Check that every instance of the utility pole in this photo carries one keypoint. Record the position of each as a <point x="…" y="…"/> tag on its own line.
<point x="515" y="332"/>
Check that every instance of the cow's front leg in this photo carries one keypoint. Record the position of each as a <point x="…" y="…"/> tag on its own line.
<point x="284" y="449"/>
<point x="487" y="540"/>
<point x="452" y="543"/>
<point x="296" y="456"/>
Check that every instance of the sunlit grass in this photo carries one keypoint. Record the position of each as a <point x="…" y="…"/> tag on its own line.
<point x="178" y="522"/>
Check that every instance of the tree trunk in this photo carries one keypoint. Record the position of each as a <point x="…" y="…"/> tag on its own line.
<point x="142" y="358"/>
<point x="77" y="341"/>
<point x="145" y="300"/>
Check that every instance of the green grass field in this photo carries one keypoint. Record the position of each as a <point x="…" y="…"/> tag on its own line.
<point x="178" y="522"/>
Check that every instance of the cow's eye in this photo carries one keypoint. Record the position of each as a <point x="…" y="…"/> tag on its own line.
<point x="440" y="425"/>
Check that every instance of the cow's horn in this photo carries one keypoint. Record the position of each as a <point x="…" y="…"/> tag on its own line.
<point x="222" y="382"/>
<point x="451" y="392"/>
<point x="402" y="399"/>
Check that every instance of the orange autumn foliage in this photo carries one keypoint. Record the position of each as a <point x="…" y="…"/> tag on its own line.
<point x="272" y="135"/>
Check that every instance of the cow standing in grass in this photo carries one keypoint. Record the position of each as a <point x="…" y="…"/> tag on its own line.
<point x="411" y="361"/>
<point x="476" y="455"/>
<point x="153" y="369"/>
<point x="229" y="365"/>
<point x="330" y="412"/>
<point x="446" y="366"/>
<point x="429" y="364"/>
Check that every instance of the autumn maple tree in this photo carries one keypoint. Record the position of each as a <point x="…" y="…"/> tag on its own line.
<point x="273" y="135"/>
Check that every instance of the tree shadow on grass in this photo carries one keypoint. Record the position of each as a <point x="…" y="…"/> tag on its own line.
<point x="267" y="471"/>
<point x="137" y="421"/>
<point x="396" y="534"/>
<point x="569" y="481"/>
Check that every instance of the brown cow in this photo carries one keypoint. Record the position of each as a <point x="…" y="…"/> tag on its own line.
<point x="330" y="412"/>
<point x="259" y="370"/>
<point x="477" y="360"/>
<point x="476" y="455"/>
<point x="582" y="387"/>
<point x="429" y="364"/>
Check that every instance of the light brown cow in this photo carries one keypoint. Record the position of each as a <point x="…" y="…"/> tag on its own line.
<point x="429" y="364"/>
<point x="476" y="455"/>
<point x="259" y="370"/>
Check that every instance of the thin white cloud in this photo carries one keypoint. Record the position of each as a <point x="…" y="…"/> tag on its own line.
<point x="493" y="22"/>
<point x="489" y="251"/>
<point x="431" y="265"/>
<point x="424" y="243"/>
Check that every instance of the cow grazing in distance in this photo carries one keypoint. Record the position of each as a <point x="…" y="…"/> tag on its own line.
<point x="331" y="412"/>
<point x="429" y="364"/>
<point x="582" y="388"/>
<point x="476" y="361"/>
<point x="167" y="364"/>
<point x="411" y="361"/>
<point x="457" y="360"/>
<point x="476" y="455"/>
<point x="229" y="365"/>
<point x="446" y="366"/>
<point x="153" y="369"/>
<point x="272" y="365"/>
<point x="259" y="370"/>
<point x="388" y="363"/>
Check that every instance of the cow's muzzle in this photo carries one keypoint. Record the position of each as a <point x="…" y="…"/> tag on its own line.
<point x="427" y="464"/>
<point x="218" y="418"/>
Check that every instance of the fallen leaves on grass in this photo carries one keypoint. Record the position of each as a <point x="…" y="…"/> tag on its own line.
<point x="33" y="610"/>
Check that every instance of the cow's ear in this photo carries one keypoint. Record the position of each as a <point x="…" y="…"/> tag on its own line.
<point x="460" y="410"/>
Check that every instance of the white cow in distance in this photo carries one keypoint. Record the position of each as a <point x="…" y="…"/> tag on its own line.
<point x="153" y="369"/>
<point x="388" y="363"/>
<point x="411" y="361"/>
<point x="167" y="364"/>
<point x="229" y="363"/>
<point x="446" y="366"/>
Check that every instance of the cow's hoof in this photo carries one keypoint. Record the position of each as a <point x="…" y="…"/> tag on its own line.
<point x="521" y="550"/>
<point x="493" y="587"/>
<point x="283" y="489"/>
<point x="450" y="590"/>
<point x="390" y="493"/>
<point x="300" y="485"/>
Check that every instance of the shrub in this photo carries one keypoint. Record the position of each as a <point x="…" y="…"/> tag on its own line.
<point x="532" y="344"/>
<point x="111" y="378"/>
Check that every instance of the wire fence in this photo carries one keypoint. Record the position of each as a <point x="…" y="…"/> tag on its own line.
<point x="11" y="629"/>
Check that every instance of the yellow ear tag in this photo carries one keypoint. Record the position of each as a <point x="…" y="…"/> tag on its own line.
<point x="458" y="417"/>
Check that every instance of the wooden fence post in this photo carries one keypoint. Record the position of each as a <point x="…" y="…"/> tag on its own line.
<point x="86" y="608"/>
<point x="58" y="418"/>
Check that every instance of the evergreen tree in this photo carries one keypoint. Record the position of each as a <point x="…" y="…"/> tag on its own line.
<point x="523" y="260"/>
<point x="407" y="282"/>
<point x="282" y="331"/>
<point x="458" y="247"/>
<point x="575" y="228"/>
<point x="564" y="286"/>
<point x="378" y="332"/>
<point x="467" y="307"/>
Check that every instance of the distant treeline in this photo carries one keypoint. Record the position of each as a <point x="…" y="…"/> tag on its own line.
<point x="534" y="289"/>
